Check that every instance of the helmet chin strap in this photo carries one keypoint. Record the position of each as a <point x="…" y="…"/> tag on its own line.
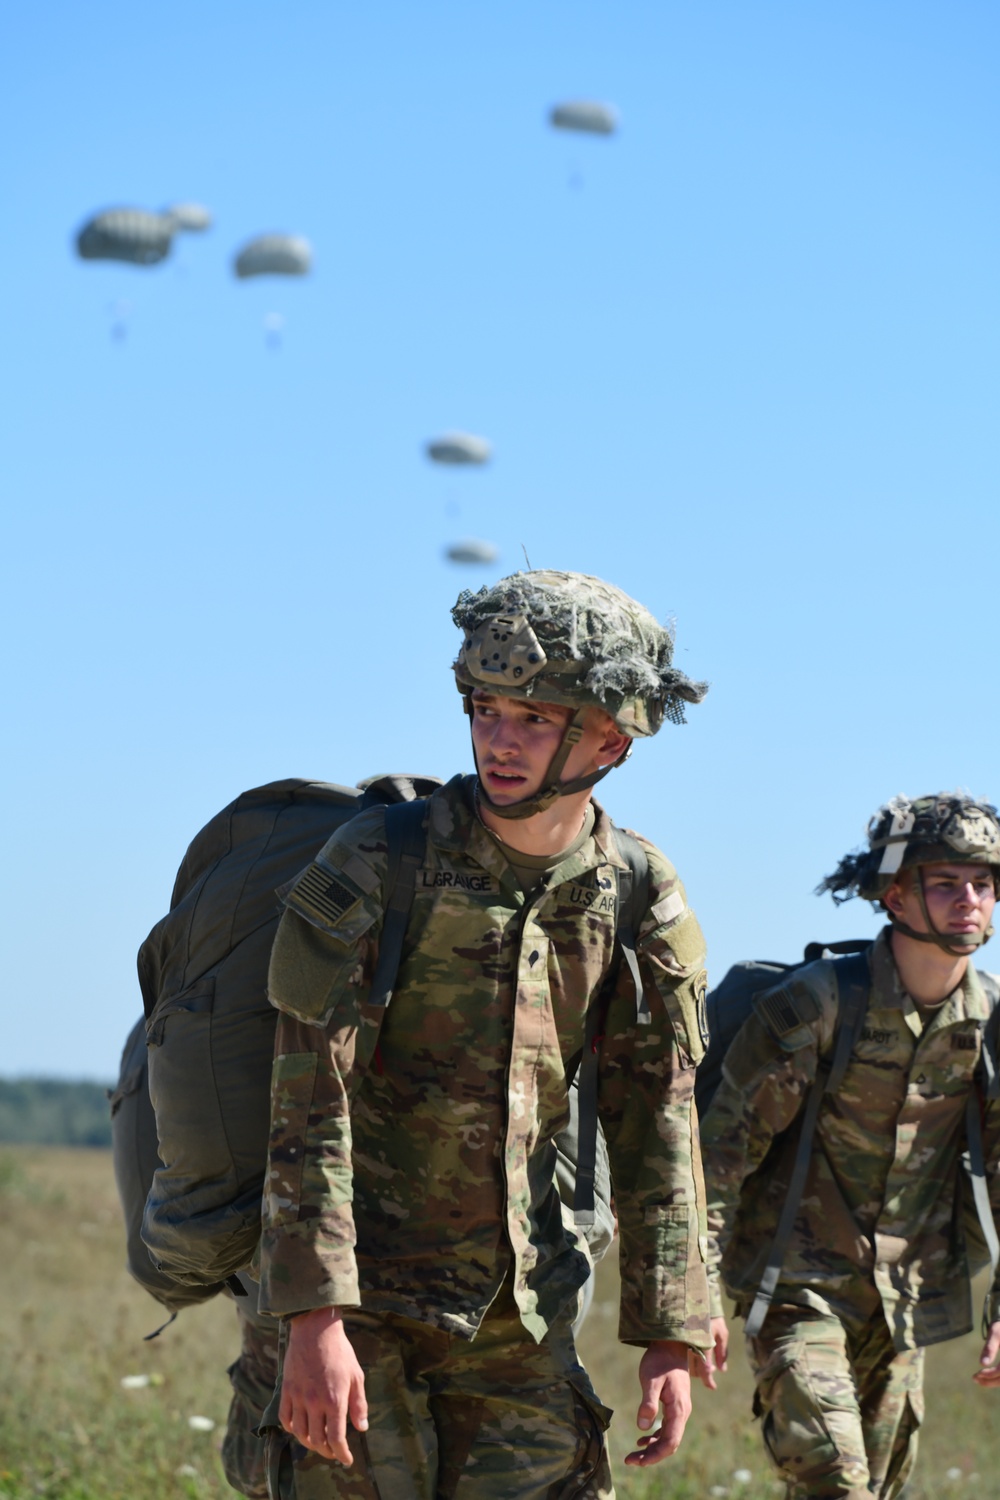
<point x="552" y="788"/>
<point x="959" y="944"/>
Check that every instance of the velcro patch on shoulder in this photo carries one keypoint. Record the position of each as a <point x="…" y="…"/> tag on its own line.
<point x="324" y="895"/>
<point x="680" y="947"/>
<point x="786" y="1009"/>
<point x="669" y="909"/>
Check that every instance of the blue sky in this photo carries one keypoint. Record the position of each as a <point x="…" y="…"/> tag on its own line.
<point x="741" y="359"/>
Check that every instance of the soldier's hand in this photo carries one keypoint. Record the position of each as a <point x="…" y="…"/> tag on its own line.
<point x="988" y="1373"/>
<point x="322" y="1384"/>
<point x="720" y="1343"/>
<point x="666" y="1386"/>
<point x="704" y="1367"/>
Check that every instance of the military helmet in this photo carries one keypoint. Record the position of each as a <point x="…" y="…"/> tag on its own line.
<point x="944" y="829"/>
<point x="572" y="639"/>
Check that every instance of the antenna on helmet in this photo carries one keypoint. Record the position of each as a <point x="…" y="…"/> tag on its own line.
<point x="526" y="557"/>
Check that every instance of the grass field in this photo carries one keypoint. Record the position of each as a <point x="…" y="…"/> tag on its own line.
<point x="72" y="1325"/>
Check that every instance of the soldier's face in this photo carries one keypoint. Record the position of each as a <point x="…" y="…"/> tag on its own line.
<point x="515" y="740"/>
<point x="960" y="898"/>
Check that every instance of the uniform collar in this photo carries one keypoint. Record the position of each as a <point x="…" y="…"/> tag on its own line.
<point x="967" y="1002"/>
<point x="454" y="826"/>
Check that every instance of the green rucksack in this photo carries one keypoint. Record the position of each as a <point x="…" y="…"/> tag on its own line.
<point x="136" y="1158"/>
<point x="191" y="1179"/>
<point x="209" y="1025"/>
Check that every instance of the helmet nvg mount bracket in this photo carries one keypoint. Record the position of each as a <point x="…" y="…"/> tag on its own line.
<point x="574" y="640"/>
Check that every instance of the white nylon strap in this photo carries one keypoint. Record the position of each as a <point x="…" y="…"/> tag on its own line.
<point x="892" y="854"/>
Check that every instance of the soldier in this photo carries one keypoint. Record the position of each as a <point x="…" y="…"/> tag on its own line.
<point x="876" y="1266"/>
<point x="413" y="1243"/>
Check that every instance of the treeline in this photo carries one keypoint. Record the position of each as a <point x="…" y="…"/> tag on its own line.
<point x="51" y="1112"/>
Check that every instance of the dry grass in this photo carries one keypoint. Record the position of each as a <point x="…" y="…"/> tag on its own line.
<point x="72" y="1324"/>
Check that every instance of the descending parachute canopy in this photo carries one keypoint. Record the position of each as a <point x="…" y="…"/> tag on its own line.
<point x="129" y="234"/>
<point x="472" y="551"/>
<point x="193" y="218"/>
<point x="459" y="448"/>
<point x="274" y="255"/>
<point x="585" y="114"/>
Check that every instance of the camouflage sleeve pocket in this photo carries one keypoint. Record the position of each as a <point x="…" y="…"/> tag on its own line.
<point x="292" y="1082"/>
<point x="673" y="1253"/>
<point x="679" y="946"/>
<point x="684" y="999"/>
<point x="689" y="1018"/>
<point x="755" y="1053"/>
<point x="312" y="970"/>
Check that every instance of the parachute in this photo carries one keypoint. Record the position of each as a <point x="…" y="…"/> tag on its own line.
<point x="136" y="235"/>
<point x="459" y="448"/>
<point x="472" y="551"/>
<point x="274" y="255"/>
<point x="193" y="218"/>
<point x="586" y="115"/>
<point x="129" y="234"/>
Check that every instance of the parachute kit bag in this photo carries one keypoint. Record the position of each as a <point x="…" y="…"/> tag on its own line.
<point x="135" y="1157"/>
<point x="730" y="1003"/>
<point x="209" y="1025"/>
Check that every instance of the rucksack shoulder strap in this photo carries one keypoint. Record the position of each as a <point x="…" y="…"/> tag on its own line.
<point x="988" y="1072"/>
<point x="991" y="986"/>
<point x="630" y="908"/>
<point x="972" y="1161"/>
<point x="986" y="1085"/>
<point x="853" y="985"/>
<point x="406" y="840"/>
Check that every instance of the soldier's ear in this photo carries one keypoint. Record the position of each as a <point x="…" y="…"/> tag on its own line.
<point x="613" y="746"/>
<point x="892" y="900"/>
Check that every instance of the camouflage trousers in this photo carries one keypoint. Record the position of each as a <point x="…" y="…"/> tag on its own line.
<point x="840" y="1406"/>
<point x="253" y="1378"/>
<point x="495" y="1418"/>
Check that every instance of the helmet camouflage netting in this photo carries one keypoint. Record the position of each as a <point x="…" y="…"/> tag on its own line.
<point x="572" y="639"/>
<point x="947" y="828"/>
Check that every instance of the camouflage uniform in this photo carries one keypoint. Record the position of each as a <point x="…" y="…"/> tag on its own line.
<point x="411" y="1160"/>
<point x="876" y="1267"/>
<point x="253" y="1377"/>
<point x="458" y="1419"/>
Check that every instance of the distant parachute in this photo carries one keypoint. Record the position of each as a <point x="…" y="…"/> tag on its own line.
<point x="472" y="551"/>
<point x="129" y="234"/>
<point x="193" y="218"/>
<point x="274" y="255"/>
<point x="459" y="448"/>
<point x="585" y="114"/>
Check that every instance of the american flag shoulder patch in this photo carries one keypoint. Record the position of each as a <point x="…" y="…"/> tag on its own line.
<point x="785" y="1009"/>
<point x="324" y="894"/>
